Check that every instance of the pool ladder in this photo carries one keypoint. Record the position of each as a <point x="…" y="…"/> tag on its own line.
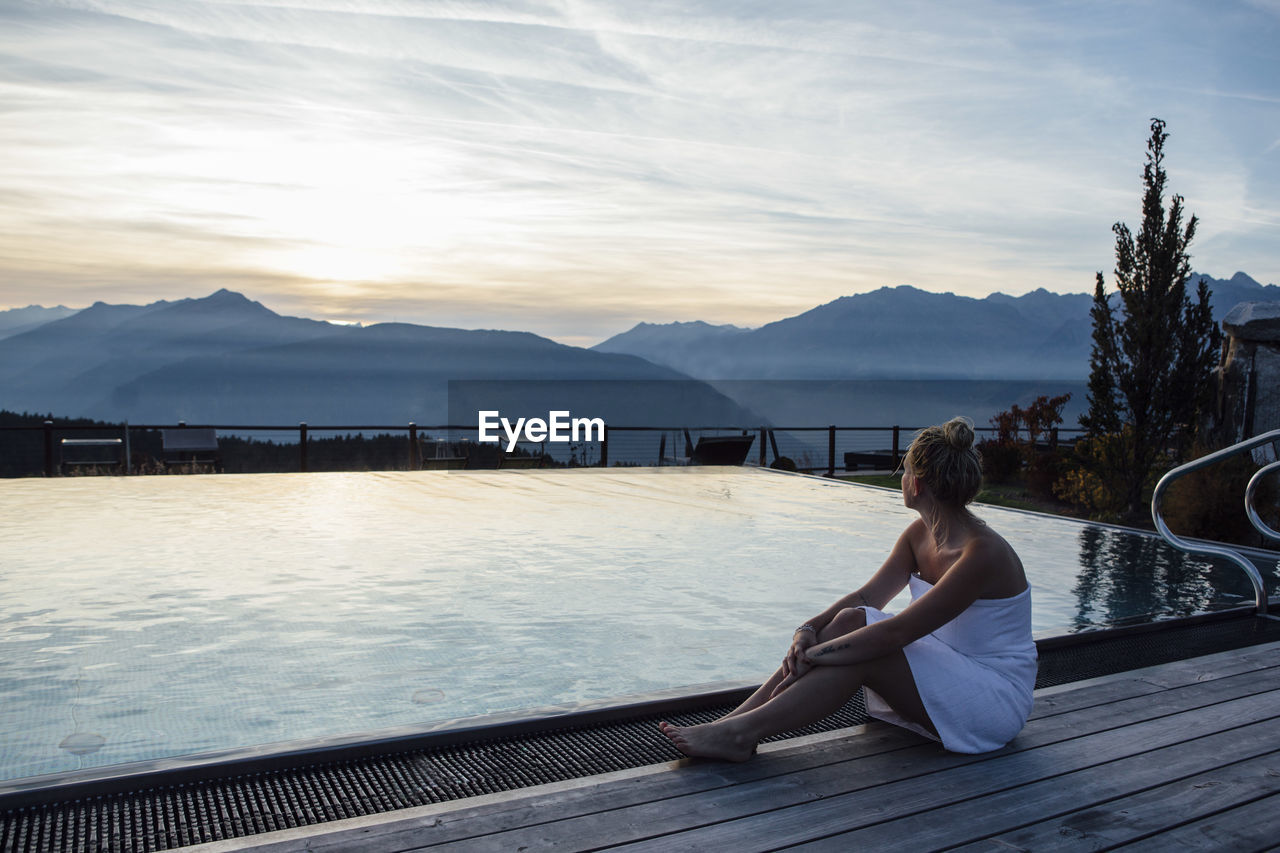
<point x="1250" y="494"/>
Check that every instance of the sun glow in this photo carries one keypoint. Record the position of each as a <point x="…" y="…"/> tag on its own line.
<point x="330" y="210"/>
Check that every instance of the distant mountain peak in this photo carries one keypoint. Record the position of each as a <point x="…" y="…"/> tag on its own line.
<point x="37" y="308"/>
<point x="224" y="298"/>
<point x="1038" y="293"/>
<point x="688" y="324"/>
<point x="15" y="321"/>
<point x="677" y="335"/>
<point x="222" y="294"/>
<point x="221" y="306"/>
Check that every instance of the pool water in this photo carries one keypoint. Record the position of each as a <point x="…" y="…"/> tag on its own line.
<point x="143" y="617"/>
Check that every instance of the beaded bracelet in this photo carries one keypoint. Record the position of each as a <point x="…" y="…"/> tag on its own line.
<point x="805" y="627"/>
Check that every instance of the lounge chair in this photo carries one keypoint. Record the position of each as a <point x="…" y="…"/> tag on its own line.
<point x="190" y="446"/>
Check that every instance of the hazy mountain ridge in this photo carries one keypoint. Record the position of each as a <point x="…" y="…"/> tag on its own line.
<point x="72" y="360"/>
<point x="15" y="321"/>
<point x="227" y="359"/>
<point x="906" y="333"/>
<point x="672" y="334"/>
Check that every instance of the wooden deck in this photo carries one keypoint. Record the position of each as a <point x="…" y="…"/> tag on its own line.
<point x="1180" y="756"/>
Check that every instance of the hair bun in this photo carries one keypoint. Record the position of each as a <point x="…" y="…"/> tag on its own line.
<point x="959" y="433"/>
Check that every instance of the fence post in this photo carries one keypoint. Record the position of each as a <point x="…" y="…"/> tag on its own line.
<point x="414" y="463"/>
<point x="302" y="446"/>
<point x="831" y="450"/>
<point x="604" y="447"/>
<point x="896" y="431"/>
<point x="48" y="448"/>
<point x="764" y="453"/>
<point x="1053" y="439"/>
<point x="128" y="453"/>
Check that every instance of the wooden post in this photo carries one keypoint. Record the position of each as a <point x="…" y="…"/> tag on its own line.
<point x="302" y="446"/>
<point x="414" y="462"/>
<point x="48" y="448"/>
<point x="896" y="459"/>
<point x="1053" y="439"/>
<point x="831" y="450"/>
<point x="128" y="453"/>
<point x="604" y="447"/>
<point x="764" y="454"/>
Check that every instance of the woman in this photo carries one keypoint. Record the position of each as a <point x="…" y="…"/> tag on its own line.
<point x="957" y="665"/>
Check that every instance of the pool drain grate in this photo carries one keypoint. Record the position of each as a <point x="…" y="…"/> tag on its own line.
<point x="252" y="803"/>
<point x="248" y="800"/>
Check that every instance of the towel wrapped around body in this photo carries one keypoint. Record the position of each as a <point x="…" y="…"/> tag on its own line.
<point x="975" y="674"/>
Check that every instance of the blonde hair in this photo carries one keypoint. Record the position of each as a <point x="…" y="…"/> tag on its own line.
<point x="944" y="459"/>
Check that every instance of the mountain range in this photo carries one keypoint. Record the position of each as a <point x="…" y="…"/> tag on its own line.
<point x="18" y="320"/>
<point x="227" y="359"/>
<point x="904" y="333"/>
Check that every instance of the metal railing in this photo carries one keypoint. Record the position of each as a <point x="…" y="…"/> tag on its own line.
<point x="1250" y="495"/>
<point x="1216" y="550"/>
<point x="812" y="449"/>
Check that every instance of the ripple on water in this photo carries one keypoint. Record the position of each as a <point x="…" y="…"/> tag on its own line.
<point x="428" y="696"/>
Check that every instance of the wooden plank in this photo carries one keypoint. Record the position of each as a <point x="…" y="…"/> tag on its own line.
<point x="771" y="827"/>
<point x="1163" y="676"/>
<point x="1116" y="700"/>
<point x="1143" y="814"/>
<point x="1242" y="660"/>
<point x="1246" y="828"/>
<point x="1091" y="697"/>
<point x="1104" y="804"/>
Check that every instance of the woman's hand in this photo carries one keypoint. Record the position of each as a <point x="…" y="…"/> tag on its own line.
<point x="796" y="663"/>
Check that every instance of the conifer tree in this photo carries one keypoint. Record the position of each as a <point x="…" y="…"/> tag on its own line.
<point x="1154" y="351"/>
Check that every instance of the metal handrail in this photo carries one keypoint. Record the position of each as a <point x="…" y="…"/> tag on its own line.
<point x="1250" y="493"/>
<point x="1230" y="554"/>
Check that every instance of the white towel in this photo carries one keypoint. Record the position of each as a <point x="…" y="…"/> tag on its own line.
<point x="975" y="674"/>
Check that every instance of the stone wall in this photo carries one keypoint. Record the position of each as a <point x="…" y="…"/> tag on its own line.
<point x="1249" y="384"/>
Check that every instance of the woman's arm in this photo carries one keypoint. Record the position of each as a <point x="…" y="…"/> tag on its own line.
<point x="887" y="582"/>
<point x="952" y="595"/>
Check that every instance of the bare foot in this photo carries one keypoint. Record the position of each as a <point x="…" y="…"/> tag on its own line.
<point x="710" y="740"/>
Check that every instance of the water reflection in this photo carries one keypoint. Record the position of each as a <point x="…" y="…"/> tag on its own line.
<point x="1128" y="577"/>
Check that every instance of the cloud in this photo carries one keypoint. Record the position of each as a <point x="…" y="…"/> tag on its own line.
<point x="573" y="167"/>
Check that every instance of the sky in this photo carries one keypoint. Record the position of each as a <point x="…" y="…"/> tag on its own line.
<point x="572" y="167"/>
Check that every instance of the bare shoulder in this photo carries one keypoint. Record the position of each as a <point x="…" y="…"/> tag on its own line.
<point x="1000" y="563"/>
<point x="917" y="535"/>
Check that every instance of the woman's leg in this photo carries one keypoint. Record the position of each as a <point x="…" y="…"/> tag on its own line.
<point x="849" y="619"/>
<point x="820" y="692"/>
<point x="762" y="694"/>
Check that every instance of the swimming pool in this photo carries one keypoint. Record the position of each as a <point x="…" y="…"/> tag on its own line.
<point x="153" y="616"/>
